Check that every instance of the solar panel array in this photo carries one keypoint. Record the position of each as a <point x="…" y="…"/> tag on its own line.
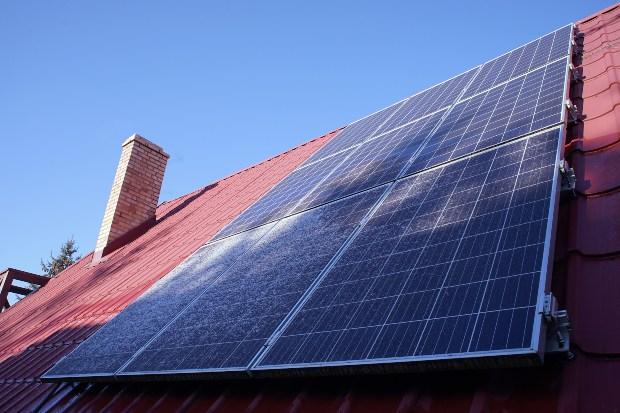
<point x="419" y="233"/>
<point x="449" y="264"/>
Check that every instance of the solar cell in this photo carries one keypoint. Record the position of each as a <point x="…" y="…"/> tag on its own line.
<point x="449" y="265"/>
<point x="523" y="105"/>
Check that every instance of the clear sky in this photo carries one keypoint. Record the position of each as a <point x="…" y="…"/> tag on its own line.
<point x="220" y="85"/>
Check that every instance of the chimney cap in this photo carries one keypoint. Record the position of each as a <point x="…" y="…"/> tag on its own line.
<point x="143" y="141"/>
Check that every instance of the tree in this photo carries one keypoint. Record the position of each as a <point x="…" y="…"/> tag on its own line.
<point x="64" y="259"/>
<point x="56" y="264"/>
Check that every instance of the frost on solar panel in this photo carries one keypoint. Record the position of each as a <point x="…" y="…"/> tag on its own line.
<point x="281" y="199"/>
<point x="114" y="343"/>
<point x="216" y="310"/>
<point x="451" y="265"/>
<point x="373" y="163"/>
<point x="230" y="321"/>
<point x="523" y="105"/>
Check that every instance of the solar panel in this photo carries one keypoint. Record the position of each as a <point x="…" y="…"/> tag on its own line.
<point x="451" y="265"/>
<point x="281" y="199"/>
<point x="353" y="170"/>
<point x="530" y="102"/>
<point x="373" y="163"/>
<point x="355" y="133"/>
<point x="246" y="285"/>
<point x="519" y="61"/>
<point x="431" y="100"/>
<point x="421" y="233"/>
<point x="523" y="105"/>
<point x="229" y="323"/>
<point x="116" y="342"/>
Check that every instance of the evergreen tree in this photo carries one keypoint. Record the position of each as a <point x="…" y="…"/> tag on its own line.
<point x="57" y="263"/>
<point x="64" y="259"/>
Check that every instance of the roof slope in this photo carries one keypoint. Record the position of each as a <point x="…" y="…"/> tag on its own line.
<point x="586" y="279"/>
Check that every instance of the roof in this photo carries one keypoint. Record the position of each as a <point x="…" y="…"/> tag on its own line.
<point x="36" y="332"/>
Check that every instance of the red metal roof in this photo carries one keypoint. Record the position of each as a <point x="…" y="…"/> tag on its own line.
<point x="49" y="323"/>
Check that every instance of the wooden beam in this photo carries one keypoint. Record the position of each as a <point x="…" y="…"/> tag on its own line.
<point x="5" y="285"/>
<point x="28" y="277"/>
<point x="16" y="289"/>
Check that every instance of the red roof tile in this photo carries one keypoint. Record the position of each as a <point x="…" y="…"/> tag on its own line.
<point x="46" y="325"/>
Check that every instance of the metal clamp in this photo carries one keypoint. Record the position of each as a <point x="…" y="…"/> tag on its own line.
<point x="573" y="111"/>
<point x="569" y="179"/>
<point x="577" y="48"/>
<point x="558" y="326"/>
<point x="575" y="74"/>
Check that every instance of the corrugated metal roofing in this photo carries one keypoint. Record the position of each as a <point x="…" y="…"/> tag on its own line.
<point x="46" y="325"/>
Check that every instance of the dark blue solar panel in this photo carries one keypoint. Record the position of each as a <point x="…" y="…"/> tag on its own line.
<point x="281" y="199"/>
<point x="114" y="343"/>
<point x="503" y="113"/>
<point x="355" y="133"/>
<point x="433" y="99"/>
<point x="522" y="60"/>
<point x="229" y="322"/>
<point x="450" y="264"/>
<point x="421" y="104"/>
<point x="373" y="163"/>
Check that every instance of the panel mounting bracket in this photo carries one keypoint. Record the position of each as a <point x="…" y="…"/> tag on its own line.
<point x="558" y="326"/>
<point x="575" y="73"/>
<point x="573" y="111"/>
<point x="576" y="46"/>
<point x="569" y="179"/>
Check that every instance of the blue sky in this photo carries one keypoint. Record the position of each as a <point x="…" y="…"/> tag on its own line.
<point x="220" y="85"/>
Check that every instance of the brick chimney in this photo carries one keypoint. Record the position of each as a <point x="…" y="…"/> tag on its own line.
<point x="134" y="196"/>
